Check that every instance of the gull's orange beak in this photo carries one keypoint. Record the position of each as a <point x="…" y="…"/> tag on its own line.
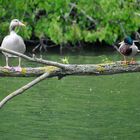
<point x="21" y="24"/>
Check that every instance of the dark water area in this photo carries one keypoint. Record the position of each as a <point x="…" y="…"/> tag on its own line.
<point x="69" y="48"/>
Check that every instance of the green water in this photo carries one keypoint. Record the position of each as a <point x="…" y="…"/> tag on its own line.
<point x="74" y="108"/>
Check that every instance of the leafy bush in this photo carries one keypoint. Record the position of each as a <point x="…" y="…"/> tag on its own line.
<point x="72" y="20"/>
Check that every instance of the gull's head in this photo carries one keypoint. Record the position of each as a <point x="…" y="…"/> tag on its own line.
<point x="15" y="23"/>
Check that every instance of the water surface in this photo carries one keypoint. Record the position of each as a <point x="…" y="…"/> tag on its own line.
<point x="74" y="108"/>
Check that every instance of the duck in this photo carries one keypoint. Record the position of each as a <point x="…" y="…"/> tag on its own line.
<point x="13" y="42"/>
<point x="128" y="49"/>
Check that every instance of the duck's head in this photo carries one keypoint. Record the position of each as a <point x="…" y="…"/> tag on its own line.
<point x="14" y="23"/>
<point x="128" y="40"/>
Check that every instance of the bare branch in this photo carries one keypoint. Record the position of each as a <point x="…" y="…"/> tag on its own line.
<point x="22" y="89"/>
<point x="84" y="13"/>
<point x="137" y="36"/>
<point x="122" y="28"/>
<point x="138" y="14"/>
<point x="42" y="61"/>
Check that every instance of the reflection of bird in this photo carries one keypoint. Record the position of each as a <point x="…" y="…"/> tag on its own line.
<point x="13" y="41"/>
<point x="128" y="49"/>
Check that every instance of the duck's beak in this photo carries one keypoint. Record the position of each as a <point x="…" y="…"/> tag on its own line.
<point x="21" y="24"/>
<point x="136" y="41"/>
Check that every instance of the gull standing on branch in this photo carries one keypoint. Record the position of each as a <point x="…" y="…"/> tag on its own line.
<point x="13" y="41"/>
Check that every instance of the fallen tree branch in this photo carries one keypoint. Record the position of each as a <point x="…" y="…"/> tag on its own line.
<point x="22" y="89"/>
<point x="73" y="69"/>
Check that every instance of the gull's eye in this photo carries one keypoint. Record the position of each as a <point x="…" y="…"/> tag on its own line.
<point x="16" y="20"/>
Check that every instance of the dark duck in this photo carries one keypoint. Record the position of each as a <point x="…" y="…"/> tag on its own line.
<point x="128" y="49"/>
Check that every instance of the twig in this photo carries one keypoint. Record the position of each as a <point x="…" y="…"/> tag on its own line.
<point x="84" y="13"/>
<point x="138" y="14"/>
<point x="36" y="47"/>
<point x="22" y="89"/>
<point x="123" y="30"/>
<point x="137" y="36"/>
<point x="42" y="61"/>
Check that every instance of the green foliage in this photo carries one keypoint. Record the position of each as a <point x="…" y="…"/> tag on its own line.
<point x="88" y="20"/>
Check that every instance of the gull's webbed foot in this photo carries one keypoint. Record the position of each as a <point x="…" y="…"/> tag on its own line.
<point x="7" y="67"/>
